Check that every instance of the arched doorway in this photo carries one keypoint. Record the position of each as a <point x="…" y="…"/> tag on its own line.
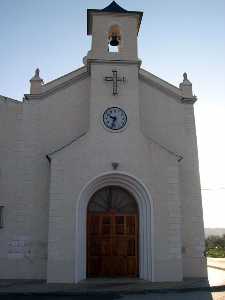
<point x="145" y="213"/>
<point x="112" y="233"/>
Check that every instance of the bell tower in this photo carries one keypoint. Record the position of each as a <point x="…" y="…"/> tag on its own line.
<point x="114" y="33"/>
<point x="113" y="65"/>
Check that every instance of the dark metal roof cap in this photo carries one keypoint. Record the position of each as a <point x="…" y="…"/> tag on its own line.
<point x="113" y="7"/>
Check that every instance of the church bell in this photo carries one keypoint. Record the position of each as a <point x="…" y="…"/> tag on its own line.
<point x="114" y="41"/>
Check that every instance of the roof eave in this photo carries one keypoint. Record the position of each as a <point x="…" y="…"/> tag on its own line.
<point x="96" y="11"/>
<point x="161" y="84"/>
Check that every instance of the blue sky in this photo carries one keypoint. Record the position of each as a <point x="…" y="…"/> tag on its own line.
<point x="175" y="37"/>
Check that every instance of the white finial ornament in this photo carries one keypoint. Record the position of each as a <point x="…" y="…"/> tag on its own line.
<point x="37" y="73"/>
<point x="36" y="83"/>
<point x="185" y="80"/>
<point x="186" y="87"/>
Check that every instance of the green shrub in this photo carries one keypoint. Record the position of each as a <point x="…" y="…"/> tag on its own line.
<point x="215" y="246"/>
<point x="216" y="252"/>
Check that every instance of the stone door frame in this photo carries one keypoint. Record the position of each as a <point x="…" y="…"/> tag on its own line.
<point x="145" y="207"/>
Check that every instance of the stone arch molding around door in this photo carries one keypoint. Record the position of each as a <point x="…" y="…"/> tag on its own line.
<point x="144" y="201"/>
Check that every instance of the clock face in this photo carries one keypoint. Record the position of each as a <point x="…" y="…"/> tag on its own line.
<point x="114" y="118"/>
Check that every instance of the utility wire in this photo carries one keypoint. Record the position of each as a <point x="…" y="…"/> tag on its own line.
<point x="213" y="189"/>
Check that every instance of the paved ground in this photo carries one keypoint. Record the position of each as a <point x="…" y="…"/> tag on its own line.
<point x="170" y="296"/>
<point x="216" y="262"/>
<point x="216" y="271"/>
<point x="182" y="296"/>
<point x="111" y="289"/>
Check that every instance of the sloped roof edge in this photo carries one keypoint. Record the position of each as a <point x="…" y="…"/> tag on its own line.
<point x="165" y="148"/>
<point x="114" y="7"/>
<point x="160" y="83"/>
<point x="64" y="78"/>
<point x="59" y="83"/>
<point x="49" y="155"/>
<point x="178" y="156"/>
<point x="8" y="99"/>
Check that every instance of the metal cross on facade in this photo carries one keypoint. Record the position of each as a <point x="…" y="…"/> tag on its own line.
<point x="115" y="79"/>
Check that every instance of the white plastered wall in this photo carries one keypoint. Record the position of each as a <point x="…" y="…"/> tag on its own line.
<point x="171" y="123"/>
<point x="66" y="189"/>
<point x="38" y="131"/>
<point x="11" y="147"/>
<point x="34" y="128"/>
<point x="194" y="262"/>
<point x="92" y="155"/>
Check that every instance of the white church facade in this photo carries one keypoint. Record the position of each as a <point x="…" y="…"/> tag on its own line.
<point x="99" y="171"/>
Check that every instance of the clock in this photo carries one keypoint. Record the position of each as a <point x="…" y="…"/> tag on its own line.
<point x="114" y="118"/>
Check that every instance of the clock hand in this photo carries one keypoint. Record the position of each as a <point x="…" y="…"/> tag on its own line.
<point x="113" y="122"/>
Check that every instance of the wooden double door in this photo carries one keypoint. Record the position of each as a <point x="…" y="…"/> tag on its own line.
<point x="112" y="245"/>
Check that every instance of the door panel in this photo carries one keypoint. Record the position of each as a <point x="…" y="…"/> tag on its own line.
<point x="112" y="245"/>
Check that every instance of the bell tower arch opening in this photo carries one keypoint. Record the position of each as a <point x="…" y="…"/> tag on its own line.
<point x="114" y="39"/>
